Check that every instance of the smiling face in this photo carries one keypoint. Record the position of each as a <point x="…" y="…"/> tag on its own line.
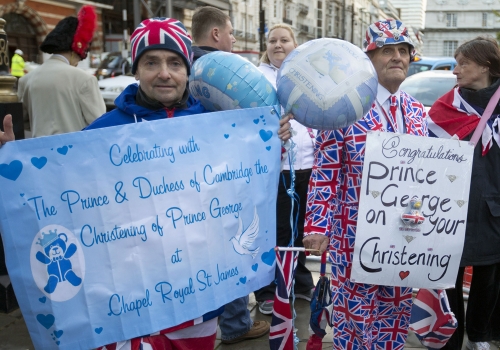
<point x="391" y="63"/>
<point x="162" y="75"/>
<point x="471" y="75"/>
<point x="279" y="44"/>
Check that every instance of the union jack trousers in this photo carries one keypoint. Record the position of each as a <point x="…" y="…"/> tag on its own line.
<point x="368" y="316"/>
<point x="191" y="335"/>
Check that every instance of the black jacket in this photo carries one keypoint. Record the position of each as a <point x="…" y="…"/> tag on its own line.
<point x="199" y="51"/>
<point x="482" y="235"/>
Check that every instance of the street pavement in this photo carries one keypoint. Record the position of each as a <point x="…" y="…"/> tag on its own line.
<point x="14" y="334"/>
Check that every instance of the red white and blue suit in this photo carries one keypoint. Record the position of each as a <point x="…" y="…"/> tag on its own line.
<point x="365" y="316"/>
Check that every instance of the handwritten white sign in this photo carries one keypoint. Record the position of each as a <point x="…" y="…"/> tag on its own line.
<point x="119" y="232"/>
<point x="413" y="211"/>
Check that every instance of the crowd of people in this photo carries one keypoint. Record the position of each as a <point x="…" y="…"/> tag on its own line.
<point x="328" y="168"/>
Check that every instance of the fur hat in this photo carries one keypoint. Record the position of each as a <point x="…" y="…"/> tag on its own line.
<point x="72" y="34"/>
<point x="161" y="33"/>
<point x="19" y="52"/>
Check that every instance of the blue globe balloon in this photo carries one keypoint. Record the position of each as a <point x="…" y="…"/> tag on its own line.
<point x="327" y="84"/>
<point x="224" y="81"/>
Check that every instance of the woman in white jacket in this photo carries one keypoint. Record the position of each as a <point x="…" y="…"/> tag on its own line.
<point x="280" y="42"/>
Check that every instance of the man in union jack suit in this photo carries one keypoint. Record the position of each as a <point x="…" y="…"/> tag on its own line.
<point x="365" y="316"/>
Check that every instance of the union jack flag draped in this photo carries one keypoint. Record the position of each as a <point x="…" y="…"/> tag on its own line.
<point x="431" y="318"/>
<point x="452" y="115"/>
<point x="281" y="333"/>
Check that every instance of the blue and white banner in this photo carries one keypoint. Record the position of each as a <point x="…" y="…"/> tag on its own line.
<point x="119" y="232"/>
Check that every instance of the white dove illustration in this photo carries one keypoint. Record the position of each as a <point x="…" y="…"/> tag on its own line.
<point x="243" y="240"/>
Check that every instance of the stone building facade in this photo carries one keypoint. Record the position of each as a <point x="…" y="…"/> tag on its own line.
<point x="449" y="23"/>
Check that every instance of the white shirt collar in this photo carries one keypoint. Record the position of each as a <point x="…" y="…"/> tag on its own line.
<point x="61" y="57"/>
<point x="383" y="95"/>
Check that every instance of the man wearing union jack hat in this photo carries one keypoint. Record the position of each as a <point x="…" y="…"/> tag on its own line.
<point x="365" y="316"/>
<point x="161" y="62"/>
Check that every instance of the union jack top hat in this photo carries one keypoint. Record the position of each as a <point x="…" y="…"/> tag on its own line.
<point x="161" y="33"/>
<point x="387" y="32"/>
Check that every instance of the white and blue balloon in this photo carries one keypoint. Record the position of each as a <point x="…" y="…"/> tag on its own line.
<point x="325" y="83"/>
<point x="224" y="81"/>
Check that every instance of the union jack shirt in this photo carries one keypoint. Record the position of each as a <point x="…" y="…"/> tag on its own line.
<point x="335" y="183"/>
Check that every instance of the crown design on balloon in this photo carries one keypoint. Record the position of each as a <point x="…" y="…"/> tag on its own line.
<point x="47" y="238"/>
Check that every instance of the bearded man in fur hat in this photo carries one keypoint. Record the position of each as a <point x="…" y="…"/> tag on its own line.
<point x="57" y="97"/>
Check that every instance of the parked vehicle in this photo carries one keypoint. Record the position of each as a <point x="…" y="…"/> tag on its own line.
<point x="112" y="87"/>
<point x="422" y="64"/>
<point x="113" y="65"/>
<point x="252" y="56"/>
<point x="428" y="86"/>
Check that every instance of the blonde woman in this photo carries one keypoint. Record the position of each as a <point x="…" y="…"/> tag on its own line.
<point x="280" y="42"/>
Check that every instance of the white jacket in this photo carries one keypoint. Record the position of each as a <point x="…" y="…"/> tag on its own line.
<point x="302" y="137"/>
<point x="59" y="98"/>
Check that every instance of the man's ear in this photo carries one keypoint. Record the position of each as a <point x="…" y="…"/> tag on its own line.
<point x="215" y="34"/>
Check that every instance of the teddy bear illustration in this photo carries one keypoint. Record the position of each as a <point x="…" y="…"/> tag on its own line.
<point x="56" y="257"/>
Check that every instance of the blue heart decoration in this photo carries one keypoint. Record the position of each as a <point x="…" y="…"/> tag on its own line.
<point x="42" y="300"/>
<point x="58" y="342"/>
<point x="58" y="334"/>
<point x="62" y="150"/>
<point x="233" y="125"/>
<point x="265" y="135"/>
<point x="70" y="146"/>
<point x="21" y="194"/>
<point x="98" y="330"/>
<point x="256" y="121"/>
<point x="39" y="163"/>
<point x="45" y="320"/>
<point x="243" y="280"/>
<point x="268" y="257"/>
<point x="268" y="148"/>
<point x="226" y="135"/>
<point x="11" y="171"/>
<point x="255" y="266"/>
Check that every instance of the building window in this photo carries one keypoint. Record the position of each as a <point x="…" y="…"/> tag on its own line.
<point x="485" y="19"/>
<point x="451" y="19"/>
<point x="337" y="22"/>
<point x="450" y="48"/>
<point x="319" y="17"/>
<point x="275" y="9"/>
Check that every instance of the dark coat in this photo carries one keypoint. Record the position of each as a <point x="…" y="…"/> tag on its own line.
<point x="482" y="235"/>
<point x="199" y="51"/>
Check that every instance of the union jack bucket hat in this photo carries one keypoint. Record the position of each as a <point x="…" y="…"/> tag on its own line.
<point x="387" y="32"/>
<point x="161" y="33"/>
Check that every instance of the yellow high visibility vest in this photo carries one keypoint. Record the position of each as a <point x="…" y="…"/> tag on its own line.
<point x="17" y="66"/>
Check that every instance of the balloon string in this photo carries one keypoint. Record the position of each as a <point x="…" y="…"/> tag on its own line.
<point x="293" y="224"/>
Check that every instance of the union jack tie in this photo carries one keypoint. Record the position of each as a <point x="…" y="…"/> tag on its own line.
<point x="393" y="123"/>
